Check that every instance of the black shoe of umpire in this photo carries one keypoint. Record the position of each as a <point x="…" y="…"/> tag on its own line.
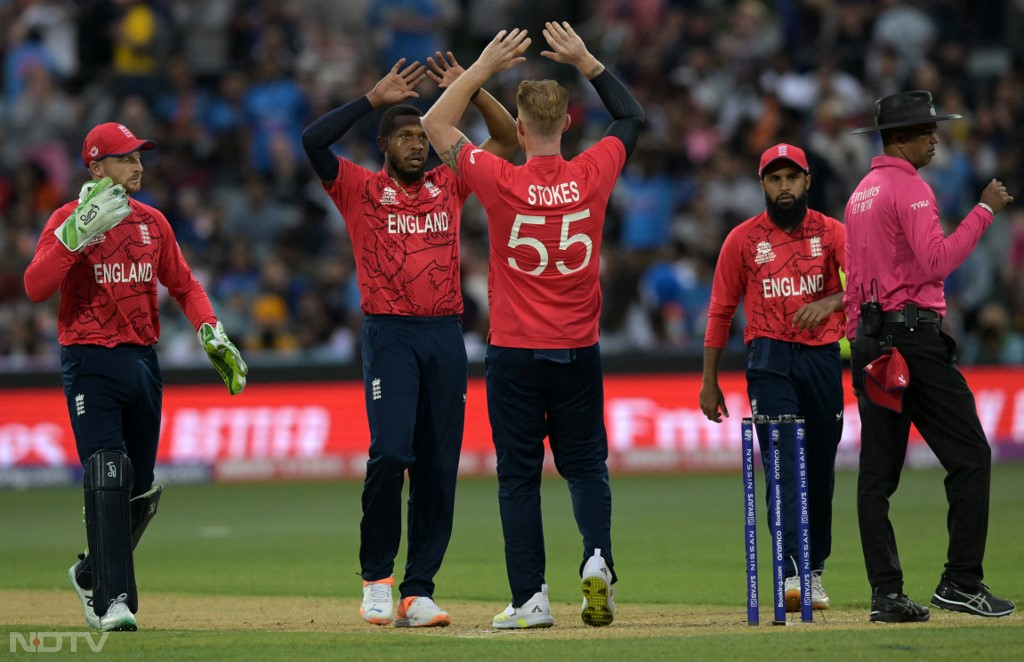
<point x="978" y="600"/>
<point x="899" y="609"/>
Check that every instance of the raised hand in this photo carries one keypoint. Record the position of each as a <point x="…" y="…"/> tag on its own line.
<point x="996" y="196"/>
<point x="101" y="206"/>
<point x="504" y="52"/>
<point x="445" y="70"/>
<point x="398" y="85"/>
<point x="568" y="48"/>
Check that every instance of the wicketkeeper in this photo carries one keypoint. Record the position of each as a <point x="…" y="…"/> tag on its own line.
<point x="105" y="253"/>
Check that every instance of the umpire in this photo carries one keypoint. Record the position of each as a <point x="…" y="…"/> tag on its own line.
<point x="897" y="259"/>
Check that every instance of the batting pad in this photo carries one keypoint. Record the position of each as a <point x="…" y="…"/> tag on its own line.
<point x="144" y="508"/>
<point x="108" y="486"/>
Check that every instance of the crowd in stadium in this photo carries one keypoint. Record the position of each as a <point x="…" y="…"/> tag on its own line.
<point x="225" y="87"/>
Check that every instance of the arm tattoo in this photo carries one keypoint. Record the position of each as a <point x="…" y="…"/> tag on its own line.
<point x="451" y="155"/>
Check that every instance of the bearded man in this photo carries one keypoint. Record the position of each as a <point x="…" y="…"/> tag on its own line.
<point x="784" y="264"/>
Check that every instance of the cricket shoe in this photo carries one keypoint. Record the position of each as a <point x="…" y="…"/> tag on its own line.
<point x="118" y="617"/>
<point x="85" y="595"/>
<point x="897" y="609"/>
<point x="819" y="598"/>
<point x="420" y="612"/>
<point x="598" y="607"/>
<point x="535" y="613"/>
<point x="378" y="607"/>
<point x="978" y="600"/>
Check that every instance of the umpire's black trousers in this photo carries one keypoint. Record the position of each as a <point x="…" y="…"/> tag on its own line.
<point x="941" y="405"/>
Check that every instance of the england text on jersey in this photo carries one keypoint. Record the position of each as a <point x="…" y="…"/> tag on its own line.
<point x="791" y="286"/>
<point x="120" y="272"/>
<point x="415" y="224"/>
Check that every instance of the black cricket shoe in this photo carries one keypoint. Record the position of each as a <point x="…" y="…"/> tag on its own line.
<point x="978" y="600"/>
<point x="900" y="609"/>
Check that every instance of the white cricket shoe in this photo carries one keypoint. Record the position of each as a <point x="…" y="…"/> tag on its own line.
<point x="420" y="611"/>
<point x="598" y="607"/>
<point x="535" y="613"/>
<point x="378" y="608"/>
<point x="118" y="617"/>
<point x="819" y="598"/>
<point x="85" y="595"/>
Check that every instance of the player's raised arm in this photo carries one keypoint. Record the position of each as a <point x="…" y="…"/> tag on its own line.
<point x="505" y="51"/>
<point x="501" y="126"/>
<point x="568" y="48"/>
<point x="398" y="85"/>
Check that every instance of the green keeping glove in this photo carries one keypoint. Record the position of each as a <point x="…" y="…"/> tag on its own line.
<point x="224" y="356"/>
<point x="101" y="206"/>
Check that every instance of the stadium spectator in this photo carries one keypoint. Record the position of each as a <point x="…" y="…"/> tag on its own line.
<point x="698" y="107"/>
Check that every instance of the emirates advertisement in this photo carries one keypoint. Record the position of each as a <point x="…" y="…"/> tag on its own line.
<point x="289" y="431"/>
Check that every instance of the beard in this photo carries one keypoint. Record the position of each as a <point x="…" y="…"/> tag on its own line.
<point x="405" y="175"/>
<point x="789" y="215"/>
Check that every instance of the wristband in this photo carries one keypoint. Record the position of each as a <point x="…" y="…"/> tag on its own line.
<point x="986" y="207"/>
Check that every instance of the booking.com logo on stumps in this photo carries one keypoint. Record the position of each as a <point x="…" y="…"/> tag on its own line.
<point x="54" y="642"/>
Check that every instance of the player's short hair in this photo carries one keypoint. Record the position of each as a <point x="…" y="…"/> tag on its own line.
<point x="543" y="105"/>
<point x="387" y="120"/>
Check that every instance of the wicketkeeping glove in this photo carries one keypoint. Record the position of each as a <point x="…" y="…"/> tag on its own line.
<point x="224" y="356"/>
<point x="101" y="206"/>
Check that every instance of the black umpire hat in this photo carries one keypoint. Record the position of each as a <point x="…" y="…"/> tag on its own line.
<point x="905" y="109"/>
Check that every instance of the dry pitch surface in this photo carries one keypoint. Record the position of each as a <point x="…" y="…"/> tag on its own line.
<point x="60" y="609"/>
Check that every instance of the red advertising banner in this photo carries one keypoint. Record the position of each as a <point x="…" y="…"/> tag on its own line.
<point x="319" y="430"/>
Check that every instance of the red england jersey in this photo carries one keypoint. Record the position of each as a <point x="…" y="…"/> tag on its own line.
<point x="108" y="293"/>
<point x="405" y="239"/>
<point x="545" y="220"/>
<point x="775" y="274"/>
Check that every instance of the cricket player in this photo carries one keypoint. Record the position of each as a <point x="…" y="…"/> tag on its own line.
<point x="404" y="224"/>
<point x="105" y="253"/>
<point x="543" y="363"/>
<point x="784" y="264"/>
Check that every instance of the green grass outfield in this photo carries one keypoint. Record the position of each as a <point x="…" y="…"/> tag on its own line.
<point x="269" y="572"/>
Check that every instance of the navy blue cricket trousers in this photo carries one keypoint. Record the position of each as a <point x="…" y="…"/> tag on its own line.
<point x="415" y="373"/>
<point x="114" y="397"/>
<point x="786" y="378"/>
<point x="530" y="397"/>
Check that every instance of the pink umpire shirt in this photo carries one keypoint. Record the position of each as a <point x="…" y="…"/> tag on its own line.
<point x="894" y="240"/>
